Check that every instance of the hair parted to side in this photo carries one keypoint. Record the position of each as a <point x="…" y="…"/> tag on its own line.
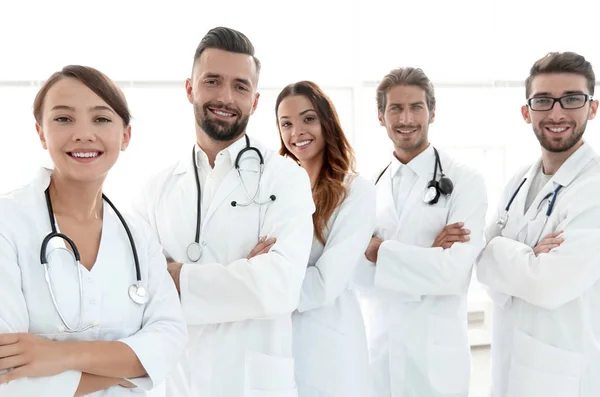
<point x="329" y="191"/>
<point x="405" y="76"/>
<point x="95" y="80"/>
<point x="227" y="39"/>
<point x="562" y="62"/>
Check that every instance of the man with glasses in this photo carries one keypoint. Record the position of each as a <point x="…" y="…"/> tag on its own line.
<point x="540" y="262"/>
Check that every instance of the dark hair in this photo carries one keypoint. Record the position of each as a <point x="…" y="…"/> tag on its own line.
<point x="562" y="62"/>
<point x="329" y="190"/>
<point x="229" y="40"/>
<point x="95" y="80"/>
<point x="405" y="76"/>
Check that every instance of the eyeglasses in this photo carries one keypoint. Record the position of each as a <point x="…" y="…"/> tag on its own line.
<point x="572" y="101"/>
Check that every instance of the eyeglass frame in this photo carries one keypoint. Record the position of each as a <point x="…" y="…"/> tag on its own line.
<point x="588" y="98"/>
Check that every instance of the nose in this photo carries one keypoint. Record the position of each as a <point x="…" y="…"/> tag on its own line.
<point x="225" y="95"/>
<point x="297" y="130"/>
<point x="557" y="113"/>
<point x="84" y="133"/>
<point x="405" y="116"/>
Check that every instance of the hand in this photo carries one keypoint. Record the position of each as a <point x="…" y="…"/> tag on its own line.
<point x="30" y="356"/>
<point x="549" y="242"/>
<point x="174" y="269"/>
<point x="372" y="251"/>
<point x="262" y="247"/>
<point x="450" y="234"/>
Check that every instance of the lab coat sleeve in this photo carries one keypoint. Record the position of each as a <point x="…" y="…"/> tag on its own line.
<point x="160" y="342"/>
<point x="347" y="241"/>
<point x="553" y="279"/>
<point x="419" y="270"/>
<point x="14" y="318"/>
<point x="267" y="285"/>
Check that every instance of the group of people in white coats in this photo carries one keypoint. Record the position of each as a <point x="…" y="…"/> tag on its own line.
<point x="243" y="272"/>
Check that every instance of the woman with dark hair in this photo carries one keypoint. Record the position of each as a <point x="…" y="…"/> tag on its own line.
<point x="329" y="338"/>
<point x="88" y="307"/>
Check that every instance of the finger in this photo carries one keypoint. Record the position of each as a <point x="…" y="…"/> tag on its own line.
<point x="458" y="231"/>
<point x="544" y="249"/>
<point x="554" y="234"/>
<point x="12" y="362"/>
<point x="10" y="350"/>
<point x="9" y="339"/>
<point x="15" y="374"/>
<point x="547" y="241"/>
<point x="456" y="239"/>
<point x="447" y="245"/>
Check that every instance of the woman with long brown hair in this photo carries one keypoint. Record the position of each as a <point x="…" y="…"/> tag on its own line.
<point x="329" y="337"/>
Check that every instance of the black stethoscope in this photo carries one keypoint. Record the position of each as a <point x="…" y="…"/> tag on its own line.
<point x="194" y="250"/>
<point x="137" y="292"/>
<point x="551" y="197"/>
<point x="435" y="188"/>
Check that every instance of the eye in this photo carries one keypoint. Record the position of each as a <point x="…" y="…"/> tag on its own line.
<point x="285" y="124"/>
<point x="417" y="107"/>
<point x="210" y="82"/>
<point x="394" y="108"/>
<point x="542" y="101"/>
<point x="310" y="119"/>
<point x="102" y="119"/>
<point x="243" y="88"/>
<point x="62" y="119"/>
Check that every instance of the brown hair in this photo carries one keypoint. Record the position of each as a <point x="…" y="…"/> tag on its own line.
<point x="95" y="80"/>
<point x="562" y="62"/>
<point x="405" y="76"/>
<point x="329" y="190"/>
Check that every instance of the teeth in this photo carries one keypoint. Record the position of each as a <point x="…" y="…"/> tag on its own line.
<point x="85" y="154"/>
<point x="303" y="143"/>
<point x="220" y="113"/>
<point x="557" y="129"/>
<point x="406" y="131"/>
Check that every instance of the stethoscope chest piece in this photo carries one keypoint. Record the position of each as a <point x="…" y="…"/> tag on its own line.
<point x="430" y="194"/>
<point x="194" y="252"/>
<point x="138" y="294"/>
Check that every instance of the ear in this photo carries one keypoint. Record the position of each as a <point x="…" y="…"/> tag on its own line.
<point x="40" y="133"/>
<point x="593" y="109"/>
<point x="381" y="119"/>
<point x="432" y="116"/>
<point x="188" y="90"/>
<point x="525" y="114"/>
<point x="255" y="103"/>
<point x="126" y="138"/>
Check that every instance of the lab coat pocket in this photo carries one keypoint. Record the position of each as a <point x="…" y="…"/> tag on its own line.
<point x="448" y="355"/>
<point x="320" y="355"/>
<point x="539" y="369"/>
<point x="429" y="221"/>
<point x="270" y="376"/>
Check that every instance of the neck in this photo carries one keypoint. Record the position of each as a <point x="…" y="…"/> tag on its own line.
<point x="313" y="169"/>
<point x="82" y="201"/>
<point x="212" y="147"/>
<point x="405" y="156"/>
<point x="552" y="161"/>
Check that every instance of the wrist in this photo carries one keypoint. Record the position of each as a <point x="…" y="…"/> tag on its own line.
<point x="70" y="356"/>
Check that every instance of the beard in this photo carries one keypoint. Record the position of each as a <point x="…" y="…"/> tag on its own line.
<point x="559" y="145"/>
<point x="217" y="129"/>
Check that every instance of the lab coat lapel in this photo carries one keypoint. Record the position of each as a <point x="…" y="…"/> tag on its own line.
<point x="229" y="184"/>
<point x="519" y="211"/>
<point x="412" y="201"/>
<point x="387" y="217"/>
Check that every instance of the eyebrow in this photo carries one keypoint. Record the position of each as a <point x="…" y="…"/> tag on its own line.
<point x="547" y="94"/>
<point x="237" y="79"/>
<point x="300" y="114"/>
<point x="72" y="109"/>
<point x="411" y="104"/>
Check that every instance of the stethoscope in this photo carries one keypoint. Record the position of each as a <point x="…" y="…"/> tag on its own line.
<point x="551" y="197"/>
<point x="137" y="292"/>
<point x="195" y="250"/>
<point x="434" y="188"/>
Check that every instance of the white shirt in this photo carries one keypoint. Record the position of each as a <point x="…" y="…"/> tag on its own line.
<point x="155" y="331"/>
<point x="403" y="179"/>
<point x="539" y="181"/>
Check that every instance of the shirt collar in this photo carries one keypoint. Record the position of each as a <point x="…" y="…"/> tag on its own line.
<point x="422" y="165"/>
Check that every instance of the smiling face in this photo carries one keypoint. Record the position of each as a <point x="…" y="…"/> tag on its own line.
<point x="559" y="130"/>
<point x="223" y="91"/>
<point x="406" y="119"/>
<point x="300" y="128"/>
<point x="81" y="132"/>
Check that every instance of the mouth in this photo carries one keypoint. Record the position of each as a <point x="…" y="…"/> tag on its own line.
<point x="302" y="144"/>
<point x="557" y="130"/>
<point x="222" y="113"/>
<point x="406" y="130"/>
<point x="85" y="156"/>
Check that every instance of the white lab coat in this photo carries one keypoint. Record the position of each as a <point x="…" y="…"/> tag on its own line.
<point x="330" y="345"/>
<point x="155" y="331"/>
<point x="546" y="327"/>
<point x="416" y="295"/>
<point x="238" y="311"/>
